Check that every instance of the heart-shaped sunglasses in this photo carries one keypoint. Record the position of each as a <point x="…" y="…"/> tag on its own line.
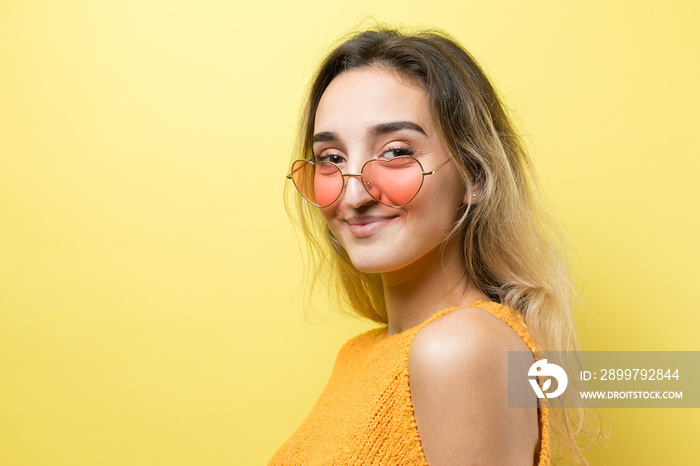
<point x="393" y="182"/>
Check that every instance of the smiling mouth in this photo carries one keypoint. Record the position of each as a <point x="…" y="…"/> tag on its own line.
<point x="362" y="228"/>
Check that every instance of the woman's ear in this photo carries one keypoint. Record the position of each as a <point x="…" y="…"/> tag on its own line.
<point x="474" y="196"/>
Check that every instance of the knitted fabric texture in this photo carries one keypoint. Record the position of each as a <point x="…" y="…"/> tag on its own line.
<point x="364" y="415"/>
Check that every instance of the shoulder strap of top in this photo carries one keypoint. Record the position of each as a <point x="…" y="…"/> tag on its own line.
<point x="435" y="317"/>
<point x="510" y="317"/>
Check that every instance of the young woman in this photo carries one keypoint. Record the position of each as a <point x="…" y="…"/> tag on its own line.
<point x="419" y="206"/>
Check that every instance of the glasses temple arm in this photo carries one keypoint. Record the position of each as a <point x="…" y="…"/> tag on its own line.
<point x="437" y="168"/>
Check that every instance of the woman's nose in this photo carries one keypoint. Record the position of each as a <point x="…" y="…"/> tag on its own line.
<point x="355" y="193"/>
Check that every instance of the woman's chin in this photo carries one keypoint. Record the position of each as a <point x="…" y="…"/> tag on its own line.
<point x="374" y="264"/>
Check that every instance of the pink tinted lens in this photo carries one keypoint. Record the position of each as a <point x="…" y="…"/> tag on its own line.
<point x="319" y="183"/>
<point x="393" y="182"/>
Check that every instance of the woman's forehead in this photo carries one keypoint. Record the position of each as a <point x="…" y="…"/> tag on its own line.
<point x="361" y="98"/>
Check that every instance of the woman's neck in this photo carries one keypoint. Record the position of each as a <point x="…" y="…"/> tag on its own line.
<point x="428" y="286"/>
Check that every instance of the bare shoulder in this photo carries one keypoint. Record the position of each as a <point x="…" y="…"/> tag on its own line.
<point x="458" y="374"/>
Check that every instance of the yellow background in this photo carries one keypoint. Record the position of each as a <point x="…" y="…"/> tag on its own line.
<point x="150" y="300"/>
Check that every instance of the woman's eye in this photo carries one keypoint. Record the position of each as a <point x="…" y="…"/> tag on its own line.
<point x="335" y="158"/>
<point x="398" y="152"/>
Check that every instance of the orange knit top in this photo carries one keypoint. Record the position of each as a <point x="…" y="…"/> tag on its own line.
<point x="365" y="414"/>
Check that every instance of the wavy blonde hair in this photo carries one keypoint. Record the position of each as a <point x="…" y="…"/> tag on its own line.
<point x="513" y="250"/>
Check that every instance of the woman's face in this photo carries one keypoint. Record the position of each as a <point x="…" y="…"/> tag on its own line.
<point x="351" y="128"/>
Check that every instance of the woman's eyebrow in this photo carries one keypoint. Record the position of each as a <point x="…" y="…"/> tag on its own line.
<point x="384" y="128"/>
<point x="324" y="136"/>
<point x="377" y="130"/>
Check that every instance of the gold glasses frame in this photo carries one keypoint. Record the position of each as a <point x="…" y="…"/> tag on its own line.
<point x="344" y="176"/>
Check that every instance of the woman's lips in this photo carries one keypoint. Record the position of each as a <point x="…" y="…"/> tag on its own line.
<point x="361" y="228"/>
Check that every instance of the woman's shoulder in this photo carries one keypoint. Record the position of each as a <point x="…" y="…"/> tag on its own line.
<point x="467" y="340"/>
<point x="458" y="369"/>
<point x="481" y="327"/>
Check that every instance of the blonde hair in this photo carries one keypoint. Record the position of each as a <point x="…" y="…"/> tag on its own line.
<point x="513" y="250"/>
